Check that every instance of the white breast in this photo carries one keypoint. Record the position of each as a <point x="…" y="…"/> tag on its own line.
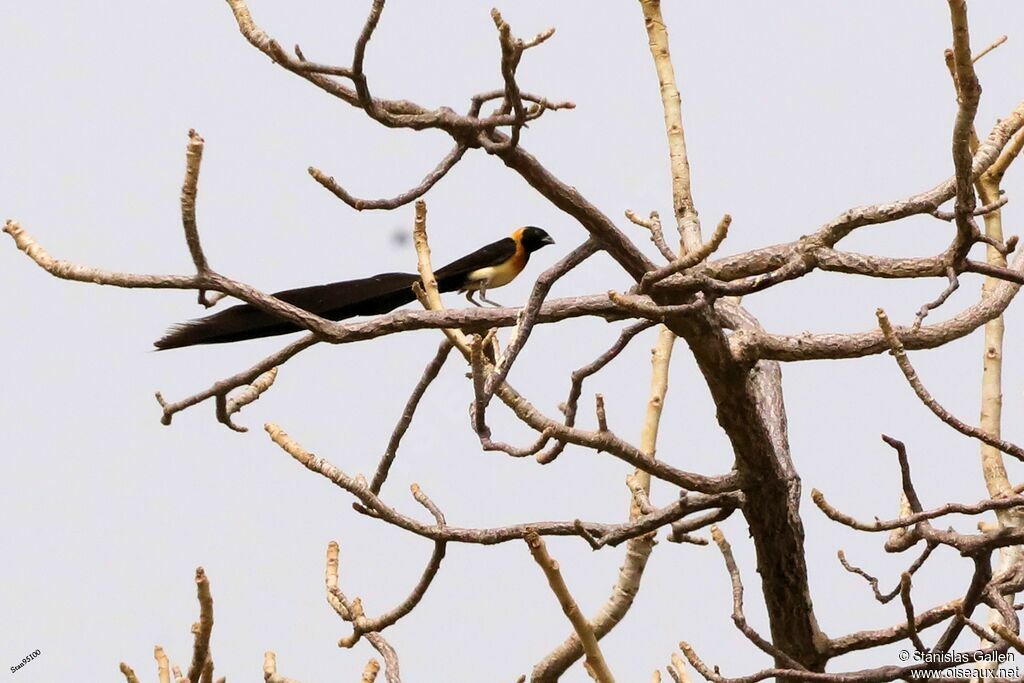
<point x="490" y="277"/>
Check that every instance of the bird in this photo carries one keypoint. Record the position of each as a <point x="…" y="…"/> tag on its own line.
<point x="487" y="268"/>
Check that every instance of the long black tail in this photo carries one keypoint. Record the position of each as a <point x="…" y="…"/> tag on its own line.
<point x="335" y="301"/>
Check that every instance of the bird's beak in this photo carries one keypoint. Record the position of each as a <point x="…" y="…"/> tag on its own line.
<point x="547" y="240"/>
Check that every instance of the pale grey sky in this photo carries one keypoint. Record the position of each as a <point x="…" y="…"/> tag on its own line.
<point x="794" y="112"/>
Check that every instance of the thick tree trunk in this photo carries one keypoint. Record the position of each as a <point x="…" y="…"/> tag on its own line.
<point x="750" y="409"/>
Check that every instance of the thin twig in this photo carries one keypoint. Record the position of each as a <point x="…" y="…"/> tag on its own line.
<point x="528" y="316"/>
<point x="570" y="407"/>
<point x="690" y="259"/>
<point x="738" y="617"/>
<point x="430" y="373"/>
<point x="511" y="52"/>
<point x="365" y="625"/>
<point x="899" y="353"/>
<point x="954" y="284"/>
<point x="608" y="534"/>
<point x="653" y="225"/>
<point x="995" y="43"/>
<point x="908" y="608"/>
<point x="224" y="386"/>
<point x="249" y="394"/>
<point x="902" y="522"/>
<point x="980" y="211"/>
<point x="684" y="527"/>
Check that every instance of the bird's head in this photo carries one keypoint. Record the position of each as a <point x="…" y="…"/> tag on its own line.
<point x="533" y="238"/>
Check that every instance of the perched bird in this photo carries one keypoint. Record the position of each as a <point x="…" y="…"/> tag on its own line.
<point x="486" y="268"/>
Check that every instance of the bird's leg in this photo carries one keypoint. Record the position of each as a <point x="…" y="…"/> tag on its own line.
<point x="483" y="297"/>
<point x="470" y="299"/>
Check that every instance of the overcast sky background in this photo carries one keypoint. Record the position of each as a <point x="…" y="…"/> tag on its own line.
<point x="793" y="114"/>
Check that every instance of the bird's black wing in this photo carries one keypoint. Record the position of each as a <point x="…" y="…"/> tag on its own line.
<point x="453" y="276"/>
<point x="334" y="301"/>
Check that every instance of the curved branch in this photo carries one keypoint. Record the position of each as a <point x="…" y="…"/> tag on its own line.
<point x="758" y="261"/>
<point x="440" y="171"/>
<point x="987" y="505"/>
<point x="605" y="534"/>
<point x="653" y="225"/>
<point x="429" y="375"/>
<point x="220" y="389"/>
<point x="873" y="581"/>
<point x="363" y="625"/>
<point x="571" y="405"/>
<point x="189" y="191"/>
<point x="750" y="345"/>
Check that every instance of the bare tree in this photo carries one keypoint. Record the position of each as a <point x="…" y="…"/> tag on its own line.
<point x="688" y="298"/>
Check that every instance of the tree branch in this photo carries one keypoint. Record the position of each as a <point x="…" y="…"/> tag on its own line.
<point x="429" y="375"/>
<point x="595" y="663"/>
<point x="203" y="628"/>
<point x="682" y="199"/>
<point x="738" y="617"/>
<point x="440" y="171"/>
<point x="900" y="354"/>
<point x="757" y="344"/>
